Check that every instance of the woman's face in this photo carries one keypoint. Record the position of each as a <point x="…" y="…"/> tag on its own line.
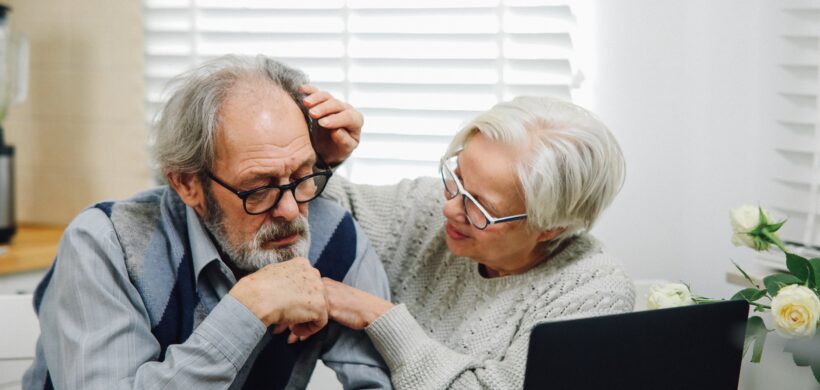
<point x="487" y="170"/>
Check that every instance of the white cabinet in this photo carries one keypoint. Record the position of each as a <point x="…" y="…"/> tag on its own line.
<point x="18" y="335"/>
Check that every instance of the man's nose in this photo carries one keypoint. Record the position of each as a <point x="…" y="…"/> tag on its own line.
<point x="287" y="208"/>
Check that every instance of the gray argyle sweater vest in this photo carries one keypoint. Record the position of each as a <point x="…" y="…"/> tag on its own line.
<point x="153" y="233"/>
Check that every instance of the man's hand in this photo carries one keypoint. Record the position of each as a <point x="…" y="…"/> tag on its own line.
<point x="288" y="294"/>
<point x="341" y="125"/>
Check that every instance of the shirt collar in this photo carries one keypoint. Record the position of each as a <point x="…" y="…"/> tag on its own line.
<point x="203" y="250"/>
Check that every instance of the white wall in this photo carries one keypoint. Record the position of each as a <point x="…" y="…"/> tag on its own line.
<point x="678" y="83"/>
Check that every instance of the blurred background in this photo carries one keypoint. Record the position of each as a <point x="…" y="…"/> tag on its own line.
<point x="714" y="103"/>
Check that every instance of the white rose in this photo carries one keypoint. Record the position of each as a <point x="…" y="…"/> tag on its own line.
<point x="670" y="295"/>
<point x="796" y="310"/>
<point x="745" y="219"/>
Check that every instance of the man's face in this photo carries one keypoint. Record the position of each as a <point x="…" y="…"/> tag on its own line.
<point x="262" y="139"/>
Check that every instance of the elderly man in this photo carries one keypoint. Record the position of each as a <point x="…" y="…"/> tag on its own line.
<point x="177" y="286"/>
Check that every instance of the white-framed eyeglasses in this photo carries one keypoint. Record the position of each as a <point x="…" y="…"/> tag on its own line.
<point x="475" y="212"/>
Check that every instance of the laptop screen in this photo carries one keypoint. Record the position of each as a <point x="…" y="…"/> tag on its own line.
<point x="691" y="347"/>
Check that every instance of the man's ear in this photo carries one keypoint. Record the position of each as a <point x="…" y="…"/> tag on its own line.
<point x="190" y="190"/>
<point x="549" y="235"/>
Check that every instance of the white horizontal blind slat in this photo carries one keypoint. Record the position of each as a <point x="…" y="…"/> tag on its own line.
<point x="269" y="4"/>
<point x="790" y="5"/>
<point x="796" y="185"/>
<point x="421" y="4"/>
<point x="417" y="70"/>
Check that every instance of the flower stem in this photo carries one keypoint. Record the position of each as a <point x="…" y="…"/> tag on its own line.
<point x="774" y="240"/>
<point x="760" y="305"/>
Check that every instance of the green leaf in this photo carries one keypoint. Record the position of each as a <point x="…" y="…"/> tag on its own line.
<point x="749" y="294"/>
<point x="815" y="265"/>
<point x="745" y="275"/>
<point x="762" y="217"/>
<point x="775" y="282"/>
<point x="755" y="334"/>
<point x="775" y="226"/>
<point x="800" y="268"/>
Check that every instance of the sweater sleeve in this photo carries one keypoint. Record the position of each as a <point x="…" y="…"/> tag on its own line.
<point x="417" y="361"/>
<point x="395" y="217"/>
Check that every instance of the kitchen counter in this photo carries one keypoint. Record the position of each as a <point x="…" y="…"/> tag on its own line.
<point x="32" y="249"/>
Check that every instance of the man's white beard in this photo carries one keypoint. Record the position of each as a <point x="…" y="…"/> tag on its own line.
<point x="250" y="256"/>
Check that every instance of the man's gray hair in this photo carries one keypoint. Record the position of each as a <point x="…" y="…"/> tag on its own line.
<point x="571" y="167"/>
<point x="182" y="140"/>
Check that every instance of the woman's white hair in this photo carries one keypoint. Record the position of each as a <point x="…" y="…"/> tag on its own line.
<point x="571" y="168"/>
<point x="182" y="139"/>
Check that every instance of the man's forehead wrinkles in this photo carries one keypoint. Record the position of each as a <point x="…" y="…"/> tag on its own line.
<point x="266" y="166"/>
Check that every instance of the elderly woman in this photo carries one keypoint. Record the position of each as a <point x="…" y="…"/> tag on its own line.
<point x="495" y="246"/>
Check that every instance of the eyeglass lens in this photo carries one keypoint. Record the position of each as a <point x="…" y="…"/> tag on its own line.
<point x="306" y="190"/>
<point x="474" y="214"/>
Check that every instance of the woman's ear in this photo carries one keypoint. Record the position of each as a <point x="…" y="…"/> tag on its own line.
<point x="549" y="235"/>
<point x="189" y="188"/>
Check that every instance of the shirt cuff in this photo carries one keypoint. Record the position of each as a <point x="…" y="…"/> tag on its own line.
<point x="233" y="329"/>
<point x="397" y="336"/>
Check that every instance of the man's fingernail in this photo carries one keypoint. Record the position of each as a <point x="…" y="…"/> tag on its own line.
<point x="323" y="122"/>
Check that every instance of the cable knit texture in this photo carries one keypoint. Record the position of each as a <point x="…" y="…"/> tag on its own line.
<point x="454" y="328"/>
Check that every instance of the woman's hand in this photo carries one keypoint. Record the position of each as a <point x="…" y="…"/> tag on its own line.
<point x="342" y="122"/>
<point x="349" y="306"/>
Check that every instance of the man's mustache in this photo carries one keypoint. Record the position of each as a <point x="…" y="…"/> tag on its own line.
<point x="278" y="230"/>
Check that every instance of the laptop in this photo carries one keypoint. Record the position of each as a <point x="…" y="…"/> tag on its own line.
<point x="690" y="347"/>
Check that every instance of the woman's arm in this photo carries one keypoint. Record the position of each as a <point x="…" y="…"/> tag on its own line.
<point x="416" y="360"/>
<point x="393" y="216"/>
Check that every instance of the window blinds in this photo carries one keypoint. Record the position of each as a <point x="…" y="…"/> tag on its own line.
<point x="417" y="70"/>
<point x="796" y="186"/>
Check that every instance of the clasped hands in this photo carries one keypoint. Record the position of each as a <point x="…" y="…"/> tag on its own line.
<point x="293" y="295"/>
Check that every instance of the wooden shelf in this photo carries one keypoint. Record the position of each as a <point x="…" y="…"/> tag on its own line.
<point x="32" y="248"/>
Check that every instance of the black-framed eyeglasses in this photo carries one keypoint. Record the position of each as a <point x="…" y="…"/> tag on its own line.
<point x="260" y="200"/>
<point x="475" y="212"/>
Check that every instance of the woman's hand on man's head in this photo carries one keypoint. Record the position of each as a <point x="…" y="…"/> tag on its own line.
<point x="341" y="124"/>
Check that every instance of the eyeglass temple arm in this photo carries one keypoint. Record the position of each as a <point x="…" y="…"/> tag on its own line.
<point x="226" y="185"/>
<point x="511" y="218"/>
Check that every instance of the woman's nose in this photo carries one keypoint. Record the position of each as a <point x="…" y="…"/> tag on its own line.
<point x="454" y="209"/>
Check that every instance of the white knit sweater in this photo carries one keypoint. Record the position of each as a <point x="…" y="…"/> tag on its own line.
<point x="454" y="328"/>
